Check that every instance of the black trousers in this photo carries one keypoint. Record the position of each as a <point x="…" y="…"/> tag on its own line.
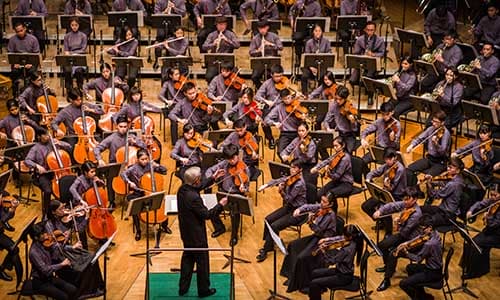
<point x="121" y="72"/>
<point x="44" y="182"/>
<point x="474" y="263"/>
<point x="327" y="278"/>
<point x="279" y="220"/>
<point x="429" y="82"/>
<point x="235" y="224"/>
<point x="401" y="106"/>
<point x="429" y="166"/>
<point x="338" y="189"/>
<point x="188" y="260"/>
<point x="418" y="276"/>
<point x="12" y="258"/>
<point x="370" y="206"/>
<point x="389" y="243"/>
<point x="55" y="288"/>
<point x="482" y="95"/>
<point x="79" y="75"/>
<point x="286" y="137"/>
<point x="257" y="75"/>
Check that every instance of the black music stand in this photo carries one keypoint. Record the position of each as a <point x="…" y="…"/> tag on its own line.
<point x="218" y="136"/>
<point x="274" y="25"/>
<point x="211" y="158"/>
<point x="85" y="22"/>
<point x="109" y="171"/>
<point x="132" y="19"/>
<point x="469" y="52"/>
<point x="278" y="170"/>
<point x="378" y="87"/>
<point x="315" y="108"/>
<point x="278" y="242"/>
<point x="166" y="22"/>
<point x="378" y="155"/>
<point x="209" y="21"/>
<point x="129" y="62"/>
<point x="236" y="204"/>
<point x="31" y="22"/>
<point x="424" y="104"/>
<point x="73" y="60"/>
<point x="428" y="68"/>
<point x="364" y="63"/>
<point x="23" y="238"/>
<point x="324" y="141"/>
<point x="379" y="193"/>
<point x="104" y="250"/>
<point x="24" y="59"/>
<point x="321" y="61"/>
<point x="307" y="24"/>
<point x="17" y="154"/>
<point x="264" y="63"/>
<point x="176" y="61"/>
<point x="416" y="40"/>
<point x="350" y="23"/>
<point x="216" y="59"/>
<point x="470" y="80"/>
<point x="220" y="107"/>
<point x="480" y="112"/>
<point x="368" y="243"/>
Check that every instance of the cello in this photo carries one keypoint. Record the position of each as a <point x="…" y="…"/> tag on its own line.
<point x="23" y="134"/>
<point x="147" y="126"/>
<point x="84" y="127"/>
<point x="47" y="106"/>
<point x="59" y="162"/>
<point x="102" y="224"/>
<point x="127" y="155"/>
<point x="112" y="98"/>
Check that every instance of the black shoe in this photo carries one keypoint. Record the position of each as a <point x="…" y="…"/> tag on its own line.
<point x="182" y="293"/>
<point x="210" y="292"/>
<point x="370" y="101"/>
<point x="286" y="282"/>
<point x="164" y="227"/>
<point x="218" y="232"/>
<point x="8" y="227"/>
<point x="380" y="270"/>
<point x="262" y="255"/>
<point x="384" y="285"/>
<point x="272" y="144"/>
<point x="304" y="291"/>
<point x="5" y="276"/>
<point x="137" y="235"/>
<point x="233" y="242"/>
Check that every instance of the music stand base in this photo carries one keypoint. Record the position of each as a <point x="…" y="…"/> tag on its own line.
<point x="465" y="289"/>
<point x="274" y="295"/>
<point x="235" y="259"/>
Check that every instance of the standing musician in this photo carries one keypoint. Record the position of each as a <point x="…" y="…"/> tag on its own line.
<point x="304" y="149"/>
<point x="368" y="44"/>
<point x="234" y="180"/>
<point x="474" y="263"/>
<point x="132" y="176"/>
<point x="438" y="22"/>
<point x="438" y="140"/>
<point x="408" y="221"/>
<point x="486" y="66"/>
<point x="126" y="5"/>
<point x="194" y="110"/>
<point x="261" y="10"/>
<point x="450" y="192"/>
<point x="124" y="47"/>
<point x="448" y="54"/>
<point x="172" y="91"/>
<point x="78" y="7"/>
<point x="75" y="42"/>
<point x="247" y="110"/>
<point x="7" y="211"/>
<point x="132" y="109"/>
<point x="387" y="131"/>
<point x="226" y="86"/>
<point x="33" y="8"/>
<point x="28" y="98"/>
<point x="70" y="113"/>
<point x="317" y="44"/>
<point x="393" y="174"/>
<point x="339" y="169"/>
<point x="488" y="28"/>
<point x="482" y="154"/>
<point x="208" y="7"/>
<point x="405" y="83"/>
<point x="347" y="7"/>
<point x="299" y="263"/>
<point x="342" y="117"/>
<point x="36" y="159"/>
<point x="350" y="245"/>
<point x="192" y="216"/>
<point x="184" y="154"/>
<point x="59" y="218"/>
<point x="264" y="44"/>
<point x="448" y="93"/>
<point x="293" y="192"/>
<point x="102" y="83"/>
<point x="113" y="142"/>
<point x="177" y="45"/>
<point x="419" y="274"/>
<point x="221" y="40"/>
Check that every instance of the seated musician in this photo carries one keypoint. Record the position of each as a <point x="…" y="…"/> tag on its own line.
<point x="185" y="155"/>
<point x="342" y="117"/>
<point x="43" y="268"/>
<point x="448" y="93"/>
<point x="317" y="44"/>
<point x="103" y="82"/>
<point x="36" y="159"/>
<point x="28" y="98"/>
<point x="351" y="246"/>
<point x="75" y="42"/>
<point x="113" y="142"/>
<point x="488" y="28"/>
<point x="185" y="112"/>
<point x="264" y="44"/>
<point x="70" y="113"/>
<point x="482" y="155"/>
<point x="12" y="120"/>
<point x="22" y="42"/>
<point x="302" y="8"/>
<point x="261" y="10"/>
<point x="486" y="66"/>
<point x="33" y="8"/>
<point x="171" y="90"/>
<point x="284" y="117"/>
<point x="77" y="7"/>
<point x="407" y="221"/>
<point x="347" y="8"/>
<point x="450" y="191"/>
<point x="132" y="176"/>
<point x="293" y="192"/>
<point x="208" y="7"/>
<point x="7" y="212"/>
<point x="218" y="90"/>
<point x="369" y="44"/>
<point x="438" y="140"/>
<point x="55" y="221"/>
<point x="326" y="89"/>
<point x="405" y="83"/>
<point x="221" y="40"/>
<point x="393" y="174"/>
<point x="246" y="142"/>
<point x="302" y="148"/>
<point x="247" y="110"/>
<point x="478" y="264"/>
<point x="126" y="46"/>
<point x="299" y="264"/>
<point x="132" y="109"/>
<point x="387" y="131"/>
<point x="238" y="173"/>
<point x="126" y="5"/>
<point x="494" y="104"/>
<point x="339" y="169"/>
<point x="269" y="94"/>
<point x="448" y="55"/>
<point x="419" y="274"/>
<point x="438" y="22"/>
<point x="177" y="45"/>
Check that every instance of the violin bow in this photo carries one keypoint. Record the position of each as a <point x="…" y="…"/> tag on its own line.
<point x="232" y="80"/>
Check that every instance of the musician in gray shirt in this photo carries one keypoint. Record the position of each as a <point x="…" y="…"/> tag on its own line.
<point x="486" y="66"/>
<point x="317" y="44"/>
<point x="450" y="97"/>
<point x="126" y="46"/>
<point x="438" y="22"/>
<point x="75" y="42"/>
<point x="488" y="28"/>
<point x="262" y="10"/>
<point x="126" y="5"/>
<point x="208" y="7"/>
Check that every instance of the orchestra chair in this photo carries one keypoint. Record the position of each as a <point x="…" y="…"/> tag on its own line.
<point x="312" y="198"/>
<point x="443" y="284"/>
<point x="259" y="172"/>
<point x="358" y="283"/>
<point x="359" y="171"/>
<point x="176" y="173"/>
<point x="64" y="185"/>
<point x="28" y="291"/>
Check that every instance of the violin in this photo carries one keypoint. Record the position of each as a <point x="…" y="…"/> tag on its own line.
<point x="304" y="144"/>
<point x="180" y="83"/>
<point x="203" y="102"/>
<point x="248" y="143"/>
<point x="338" y="243"/>
<point x="239" y="174"/>
<point x="412" y="244"/>
<point x="321" y="212"/>
<point x="293" y="179"/>
<point x="234" y="81"/>
<point x="392" y="126"/>
<point x="282" y="84"/>
<point x="49" y="240"/>
<point x="275" y="182"/>
<point x="403" y="217"/>
<point x="329" y="163"/>
<point x="391" y="172"/>
<point x="252" y="110"/>
<point x="439" y="133"/>
<point x="485" y="148"/>
<point x="330" y="91"/>
<point x="298" y="110"/>
<point x="348" y="110"/>
<point x="197" y="141"/>
<point x="335" y="161"/>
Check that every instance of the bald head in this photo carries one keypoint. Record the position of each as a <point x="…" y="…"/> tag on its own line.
<point x="192" y="175"/>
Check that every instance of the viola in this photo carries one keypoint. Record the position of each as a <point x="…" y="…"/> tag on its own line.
<point x="197" y="141"/>
<point x="336" y="160"/>
<point x="57" y="236"/>
<point x="239" y="174"/>
<point x="102" y="224"/>
<point x="321" y="212"/>
<point x="180" y="83"/>
<point x="151" y="182"/>
<point x="348" y="110"/>
<point x="85" y="128"/>
<point x="412" y="244"/>
<point x="248" y="143"/>
<point x="203" y="102"/>
<point x="339" y="242"/>
<point x="329" y="163"/>
<point x="112" y="98"/>
<point x="392" y="126"/>
<point x="234" y="81"/>
<point x="59" y="161"/>
<point x="252" y="110"/>
<point x="293" y="179"/>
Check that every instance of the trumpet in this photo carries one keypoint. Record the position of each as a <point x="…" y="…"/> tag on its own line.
<point x="431" y="57"/>
<point x="470" y="67"/>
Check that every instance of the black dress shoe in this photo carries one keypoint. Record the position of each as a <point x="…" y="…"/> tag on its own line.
<point x="210" y="292"/>
<point x="5" y="276"/>
<point x="261" y="256"/>
<point x="233" y="242"/>
<point x="8" y="227"/>
<point x="165" y="228"/>
<point x="286" y="282"/>
<point x="380" y="270"/>
<point x="272" y="144"/>
<point x="137" y="235"/>
<point x="384" y="285"/>
<point x="218" y="232"/>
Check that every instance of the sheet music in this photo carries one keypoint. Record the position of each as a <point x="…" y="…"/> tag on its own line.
<point x="210" y="200"/>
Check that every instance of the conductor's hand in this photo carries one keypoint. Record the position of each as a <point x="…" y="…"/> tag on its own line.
<point x="223" y="201"/>
<point x="296" y="213"/>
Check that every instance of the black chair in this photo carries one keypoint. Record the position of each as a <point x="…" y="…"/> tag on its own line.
<point x="443" y="284"/>
<point x="359" y="282"/>
<point x="28" y="291"/>
<point x="176" y="173"/>
<point x="359" y="171"/>
<point x="64" y="185"/>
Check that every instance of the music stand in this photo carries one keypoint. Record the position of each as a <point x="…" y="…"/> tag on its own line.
<point x="73" y="60"/>
<point x="378" y="155"/>
<point x="278" y="170"/>
<point x="378" y="193"/>
<point x="379" y="87"/>
<point x="220" y="107"/>
<point x="17" y="154"/>
<point x="368" y="243"/>
<point x="24" y="59"/>
<point x="104" y="250"/>
<point x="350" y="24"/>
<point x="176" y="61"/>
<point x="469" y="52"/>
<point x="308" y="23"/>
<point x="315" y="108"/>
<point x="216" y="59"/>
<point x="132" y="19"/>
<point x="424" y="104"/>
<point x="274" y="25"/>
<point x="321" y="61"/>
<point x="264" y="63"/>
<point x="209" y="21"/>
<point x="470" y="80"/>
<point x="85" y="22"/>
<point x="129" y="62"/>
<point x="236" y="204"/>
<point x="428" y="68"/>
<point x="362" y="62"/>
<point x="31" y="22"/>
<point x="23" y="238"/>
<point x="323" y="140"/>
<point x="278" y="242"/>
<point x="416" y="40"/>
<point x="481" y="112"/>
<point x="211" y="158"/>
<point x="218" y="136"/>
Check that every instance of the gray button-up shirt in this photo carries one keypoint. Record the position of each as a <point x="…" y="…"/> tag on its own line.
<point x="398" y="183"/>
<point x="268" y="91"/>
<point x="179" y="9"/>
<point x="488" y="30"/>
<point x="114" y="142"/>
<point x="311" y="8"/>
<point x="308" y="156"/>
<point x="182" y="110"/>
<point x="374" y="43"/>
<point x="408" y="229"/>
<point x="269" y="50"/>
<point x="25" y="7"/>
<point x="382" y="132"/>
<point x="492" y="221"/>
<point x="227" y="183"/>
<point x="279" y="114"/>
<point x="406" y="85"/>
<point x="437" y="25"/>
<point x="342" y="124"/>
<point x="123" y="5"/>
<point x="208" y="7"/>
<point x="348" y="7"/>
<point x="38" y="154"/>
<point x="218" y="88"/>
<point x="224" y="46"/>
<point x="321" y="45"/>
<point x="431" y="251"/>
<point x="343" y="171"/>
<point x="263" y="10"/>
<point x="451" y="55"/>
<point x="69" y="114"/>
<point x="75" y="42"/>
<point x="100" y="84"/>
<point x="182" y="150"/>
<point x="441" y="149"/>
<point x="28" y="44"/>
<point x="323" y="226"/>
<point x="489" y="69"/>
<point x="450" y="193"/>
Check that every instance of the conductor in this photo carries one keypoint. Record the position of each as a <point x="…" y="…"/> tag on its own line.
<point x="192" y="216"/>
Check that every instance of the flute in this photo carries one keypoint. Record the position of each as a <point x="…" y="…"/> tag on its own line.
<point x="163" y="43"/>
<point x="118" y="45"/>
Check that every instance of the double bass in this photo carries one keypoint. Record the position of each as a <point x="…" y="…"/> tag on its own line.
<point x="128" y="156"/>
<point x="112" y="98"/>
<point x="102" y="224"/>
<point x="147" y="127"/>
<point x="85" y="128"/>
<point x="59" y="162"/>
